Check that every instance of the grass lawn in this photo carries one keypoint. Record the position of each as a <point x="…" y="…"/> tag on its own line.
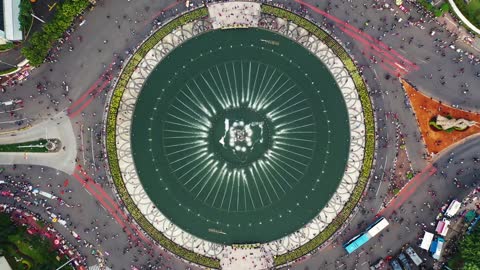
<point x="24" y="251"/>
<point x="33" y="146"/>
<point x="470" y="10"/>
<point x="39" y="253"/>
<point x="474" y="5"/>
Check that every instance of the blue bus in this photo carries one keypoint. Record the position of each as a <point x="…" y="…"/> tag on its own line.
<point x="365" y="236"/>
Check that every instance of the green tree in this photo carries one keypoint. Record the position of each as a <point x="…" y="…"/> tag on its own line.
<point x="6" y="227"/>
<point x="25" y="16"/>
<point x="470" y="247"/>
<point x="471" y="266"/>
<point x="40" y="43"/>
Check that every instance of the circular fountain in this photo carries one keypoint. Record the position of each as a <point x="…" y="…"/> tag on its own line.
<point x="244" y="136"/>
<point x="257" y="137"/>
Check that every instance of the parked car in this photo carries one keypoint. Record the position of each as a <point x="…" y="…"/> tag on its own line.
<point x="414" y="256"/>
<point x="395" y="265"/>
<point x="404" y="261"/>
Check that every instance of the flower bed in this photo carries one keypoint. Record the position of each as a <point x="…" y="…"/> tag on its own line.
<point x="111" y="141"/>
<point x="369" y="127"/>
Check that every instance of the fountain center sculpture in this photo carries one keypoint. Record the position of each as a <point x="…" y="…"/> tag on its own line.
<point x="240" y="137"/>
<point x="447" y="123"/>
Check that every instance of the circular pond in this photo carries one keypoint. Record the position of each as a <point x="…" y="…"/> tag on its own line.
<point x="240" y="136"/>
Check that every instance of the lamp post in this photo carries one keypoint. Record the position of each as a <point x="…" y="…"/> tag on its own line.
<point x="7" y="63"/>
<point x="36" y="17"/>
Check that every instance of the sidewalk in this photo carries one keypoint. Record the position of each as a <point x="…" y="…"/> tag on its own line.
<point x="463" y="35"/>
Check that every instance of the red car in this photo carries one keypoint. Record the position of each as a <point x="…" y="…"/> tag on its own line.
<point x="404" y="9"/>
<point x="6" y="193"/>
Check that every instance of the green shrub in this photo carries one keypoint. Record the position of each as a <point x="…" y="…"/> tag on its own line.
<point x="7" y="46"/>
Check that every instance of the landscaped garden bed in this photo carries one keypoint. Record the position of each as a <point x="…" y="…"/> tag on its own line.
<point x="7" y="46"/>
<point x="39" y="146"/>
<point x="427" y="110"/>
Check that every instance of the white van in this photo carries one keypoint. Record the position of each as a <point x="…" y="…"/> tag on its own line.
<point x="414" y="256"/>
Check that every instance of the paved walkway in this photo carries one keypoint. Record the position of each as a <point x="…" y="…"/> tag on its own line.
<point x="463" y="35"/>
<point x="58" y="127"/>
<point x="234" y="14"/>
<point x="246" y="259"/>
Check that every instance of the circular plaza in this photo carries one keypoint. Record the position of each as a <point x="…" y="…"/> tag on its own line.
<point x="225" y="133"/>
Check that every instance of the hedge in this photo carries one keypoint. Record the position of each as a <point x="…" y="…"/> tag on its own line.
<point x="112" y="148"/>
<point x="7" y="46"/>
<point x="369" y="127"/>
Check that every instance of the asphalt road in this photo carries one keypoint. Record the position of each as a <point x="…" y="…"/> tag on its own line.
<point x="115" y="26"/>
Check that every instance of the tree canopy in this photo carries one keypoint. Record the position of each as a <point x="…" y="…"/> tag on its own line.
<point x="470" y="249"/>
<point x="40" y="43"/>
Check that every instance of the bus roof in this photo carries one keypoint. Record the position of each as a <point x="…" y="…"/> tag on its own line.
<point x="46" y="194"/>
<point x="357" y="243"/>
<point x="427" y="240"/>
<point x="369" y="233"/>
<point x="382" y="224"/>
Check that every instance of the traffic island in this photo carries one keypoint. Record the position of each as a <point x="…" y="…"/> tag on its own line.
<point x="225" y="142"/>
<point x="38" y="146"/>
<point x="50" y="143"/>
<point x="441" y="125"/>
